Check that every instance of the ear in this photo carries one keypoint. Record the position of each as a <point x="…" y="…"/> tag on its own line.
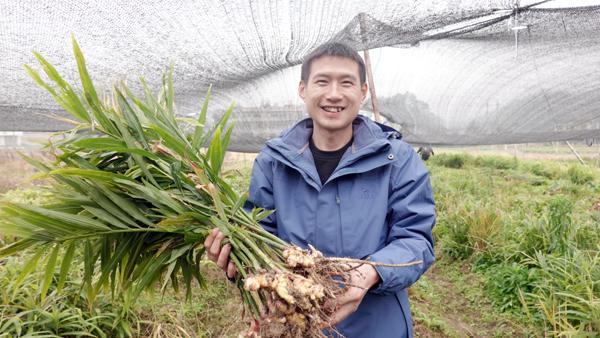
<point x="363" y="90"/>
<point x="301" y="89"/>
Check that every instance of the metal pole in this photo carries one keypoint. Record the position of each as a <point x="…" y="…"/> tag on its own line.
<point x="374" y="102"/>
<point x="575" y="152"/>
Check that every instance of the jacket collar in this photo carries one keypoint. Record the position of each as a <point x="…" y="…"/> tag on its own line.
<point x="369" y="149"/>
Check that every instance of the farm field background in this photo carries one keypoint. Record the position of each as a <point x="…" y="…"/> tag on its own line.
<point x="517" y="242"/>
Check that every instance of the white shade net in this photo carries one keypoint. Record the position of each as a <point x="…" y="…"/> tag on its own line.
<point x="449" y="72"/>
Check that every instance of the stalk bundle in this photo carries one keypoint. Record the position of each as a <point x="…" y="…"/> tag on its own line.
<point x="135" y="195"/>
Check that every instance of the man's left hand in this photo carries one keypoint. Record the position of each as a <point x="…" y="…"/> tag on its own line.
<point x="361" y="279"/>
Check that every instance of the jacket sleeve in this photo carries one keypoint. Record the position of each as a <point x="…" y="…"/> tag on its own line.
<point x="261" y="192"/>
<point x="411" y="217"/>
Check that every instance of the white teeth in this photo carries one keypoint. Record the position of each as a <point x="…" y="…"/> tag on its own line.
<point x="333" y="109"/>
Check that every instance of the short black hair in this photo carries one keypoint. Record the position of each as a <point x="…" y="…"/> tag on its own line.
<point x="333" y="49"/>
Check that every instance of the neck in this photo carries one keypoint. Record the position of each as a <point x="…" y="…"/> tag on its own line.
<point x="331" y="140"/>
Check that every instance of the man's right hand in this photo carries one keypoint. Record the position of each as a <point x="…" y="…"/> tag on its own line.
<point x="219" y="255"/>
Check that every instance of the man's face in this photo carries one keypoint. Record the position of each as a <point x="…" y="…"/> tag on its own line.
<point x="333" y="93"/>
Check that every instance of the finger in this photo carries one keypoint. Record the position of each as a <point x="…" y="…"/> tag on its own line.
<point x="345" y="297"/>
<point x="231" y="270"/>
<point x="224" y="257"/>
<point x="341" y="314"/>
<point x="209" y="240"/>
<point x="215" y="248"/>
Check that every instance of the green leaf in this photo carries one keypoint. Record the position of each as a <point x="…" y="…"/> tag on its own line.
<point x="151" y="101"/>
<point x="225" y="118"/>
<point x="149" y="273"/>
<point x="125" y="204"/>
<point x="240" y="202"/>
<point x="131" y="117"/>
<point x="259" y="214"/>
<point x="215" y="152"/>
<point x="89" y="260"/>
<point x="110" y="206"/>
<point x="31" y="219"/>
<point x="175" y="171"/>
<point x="170" y="271"/>
<point x="158" y="197"/>
<point x="99" y="143"/>
<point x="35" y="163"/>
<point x="49" y="274"/>
<point x="95" y="175"/>
<point x="63" y="219"/>
<point x="106" y="217"/>
<point x="17" y="247"/>
<point x="50" y="71"/>
<point x="226" y="139"/>
<point x="171" y="141"/>
<point x="90" y="91"/>
<point x="169" y="92"/>
<point x="27" y="269"/>
<point x="111" y="144"/>
<point x="128" y="138"/>
<point x="65" y="265"/>
<point x="69" y="101"/>
<point x="123" y="245"/>
<point x="196" y="141"/>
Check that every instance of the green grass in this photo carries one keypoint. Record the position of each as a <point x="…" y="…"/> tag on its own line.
<point x="517" y="247"/>
<point x="530" y="230"/>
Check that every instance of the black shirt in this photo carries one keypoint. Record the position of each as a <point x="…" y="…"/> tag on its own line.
<point x="327" y="161"/>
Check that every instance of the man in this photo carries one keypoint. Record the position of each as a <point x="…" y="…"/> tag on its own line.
<point x="340" y="183"/>
<point x="425" y="152"/>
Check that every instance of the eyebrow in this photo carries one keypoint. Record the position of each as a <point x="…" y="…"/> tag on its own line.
<point x="344" y="76"/>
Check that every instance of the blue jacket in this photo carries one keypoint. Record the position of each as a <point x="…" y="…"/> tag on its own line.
<point x="376" y="205"/>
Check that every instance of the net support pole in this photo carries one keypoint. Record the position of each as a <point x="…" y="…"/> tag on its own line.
<point x="575" y="152"/>
<point x="374" y="101"/>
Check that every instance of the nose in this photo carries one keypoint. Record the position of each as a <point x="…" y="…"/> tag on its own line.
<point x="333" y="93"/>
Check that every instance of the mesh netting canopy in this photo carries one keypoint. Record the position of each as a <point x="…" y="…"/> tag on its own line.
<point x="446" y="72"/>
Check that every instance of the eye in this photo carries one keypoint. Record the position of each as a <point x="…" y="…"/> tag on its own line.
<point x="321" y="82"/>
<point x="347" y="83"/>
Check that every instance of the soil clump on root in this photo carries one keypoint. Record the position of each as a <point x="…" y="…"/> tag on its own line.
<point x="302" y="300"/>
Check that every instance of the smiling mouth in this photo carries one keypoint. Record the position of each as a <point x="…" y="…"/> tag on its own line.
<point x="332" y="109"/>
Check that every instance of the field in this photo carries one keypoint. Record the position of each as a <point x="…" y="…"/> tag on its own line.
<point x="517" y="242"/>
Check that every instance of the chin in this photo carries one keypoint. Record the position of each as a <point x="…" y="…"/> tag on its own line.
<point x="335" y="125"/>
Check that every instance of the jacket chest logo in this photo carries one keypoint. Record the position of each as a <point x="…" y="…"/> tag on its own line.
<point x="366" y="194"/>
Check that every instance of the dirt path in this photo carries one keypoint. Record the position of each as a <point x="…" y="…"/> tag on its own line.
<point x="449" y="301"/>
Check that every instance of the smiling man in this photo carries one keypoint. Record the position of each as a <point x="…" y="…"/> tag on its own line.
<point x="336" y="180"/>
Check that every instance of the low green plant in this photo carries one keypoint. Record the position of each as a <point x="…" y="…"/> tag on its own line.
<point x="26" y="312"/>
<point x="496" y="162"/>
<point x="455" y="161"/>
<point x="538" y="242"/>
<point x="579" y="174"/>
<point x="544" y="169"/>
<point x="434" y="323"/>
<point x="469" y="230"/>
<point x="504" y="283"/>
<point x="453" y="235"/>
<point x="558" y="229"/>
<point x="32" y="196"/>
<point x="485" y="223"/>
<point x="566" y="296"/>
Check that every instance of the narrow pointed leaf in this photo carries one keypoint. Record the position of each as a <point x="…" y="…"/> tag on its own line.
<point x="27" y="269"/>
<point x="196" y="141"/>
<point x="65" y="265"/>
<point x="49" y="273"/>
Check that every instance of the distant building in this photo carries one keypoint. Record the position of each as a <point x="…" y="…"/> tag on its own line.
<point x="11" y="139"/>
